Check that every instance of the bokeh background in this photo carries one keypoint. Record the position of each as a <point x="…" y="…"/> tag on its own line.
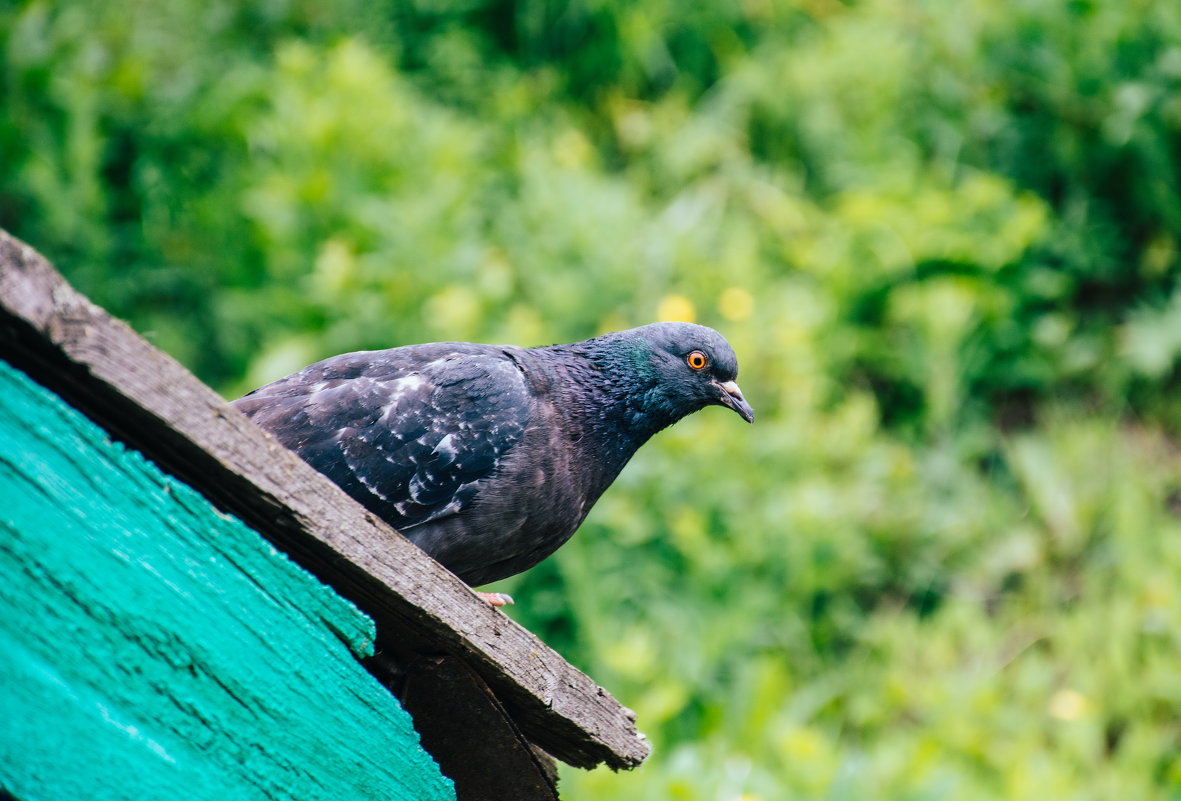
<point x="941" y="235"/>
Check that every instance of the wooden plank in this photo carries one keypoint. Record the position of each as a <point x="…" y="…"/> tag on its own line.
<point x="153" y="647"/>
<point x="467" y="731"/>
<point x="146" y="399"/>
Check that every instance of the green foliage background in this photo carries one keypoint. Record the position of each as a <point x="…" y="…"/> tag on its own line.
<point x="942" y="236"/>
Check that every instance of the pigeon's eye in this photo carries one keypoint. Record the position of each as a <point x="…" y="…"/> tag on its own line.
<point x="697" y="360"/>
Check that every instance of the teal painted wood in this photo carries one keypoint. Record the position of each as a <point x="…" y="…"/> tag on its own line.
<point x="152" y="647"/>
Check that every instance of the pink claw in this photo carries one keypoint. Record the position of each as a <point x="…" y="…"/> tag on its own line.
<point x="496" y="599"/>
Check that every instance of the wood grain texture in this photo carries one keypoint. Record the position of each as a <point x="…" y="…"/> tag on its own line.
<point x="467" y="731"/>
<point x="154" y="647"/>
<point x="146" y="399"/>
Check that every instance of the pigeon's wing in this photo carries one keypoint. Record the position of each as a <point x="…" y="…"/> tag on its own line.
<point x="409" y="432"/>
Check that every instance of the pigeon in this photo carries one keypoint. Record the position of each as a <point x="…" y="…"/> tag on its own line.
<point x="489" y="457"/>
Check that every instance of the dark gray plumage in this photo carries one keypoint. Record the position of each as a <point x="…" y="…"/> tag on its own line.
<point x="489" y="457"/>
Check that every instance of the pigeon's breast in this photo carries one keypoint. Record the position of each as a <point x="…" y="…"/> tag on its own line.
<point x="522" y="513"/>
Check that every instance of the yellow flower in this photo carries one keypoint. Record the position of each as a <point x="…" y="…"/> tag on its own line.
<point x="736" y="303"/>
<point x="676" y="308"/>
<point x="1068" y="704"/>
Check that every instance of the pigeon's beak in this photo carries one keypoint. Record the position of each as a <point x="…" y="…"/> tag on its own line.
<point x="730" y="395"/>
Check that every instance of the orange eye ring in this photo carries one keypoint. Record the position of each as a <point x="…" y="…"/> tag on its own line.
<point x="697" y="360"/>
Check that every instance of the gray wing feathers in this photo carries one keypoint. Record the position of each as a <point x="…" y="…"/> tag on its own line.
<point x="410" y="432"/>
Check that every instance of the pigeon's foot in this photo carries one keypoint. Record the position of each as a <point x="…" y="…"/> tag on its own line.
<point x="496" y="598"/>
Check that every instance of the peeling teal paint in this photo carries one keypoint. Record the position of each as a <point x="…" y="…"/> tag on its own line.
<point x="152" y="647"/>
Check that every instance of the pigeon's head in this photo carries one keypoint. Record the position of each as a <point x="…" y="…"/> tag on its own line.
<point x="688" y="367"/>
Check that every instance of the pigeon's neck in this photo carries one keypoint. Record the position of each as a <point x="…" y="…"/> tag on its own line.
<point x="606" y="398"/>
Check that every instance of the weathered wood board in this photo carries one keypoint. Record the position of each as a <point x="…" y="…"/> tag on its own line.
<point x="154" y="647"/>
<point x="145" y="399"/>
